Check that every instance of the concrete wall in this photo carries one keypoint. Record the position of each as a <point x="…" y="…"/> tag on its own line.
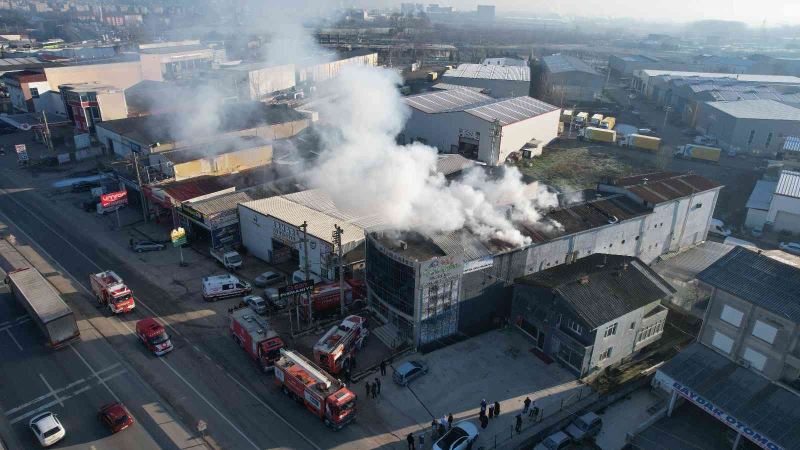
<point x="265" y="81"/>
<point x="781" y="211"/>
<point x="543" y="128"/>
<point x="325" y="71"/>
<point x="121" y="75"/>
<point x="742" y="335"/>
<point x="112" y="105"/>
<point x="755" y="219"/>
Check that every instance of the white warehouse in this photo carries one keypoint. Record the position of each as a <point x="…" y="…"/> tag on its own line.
<point x="498" y="80"/>
<point x="479" y="127"/>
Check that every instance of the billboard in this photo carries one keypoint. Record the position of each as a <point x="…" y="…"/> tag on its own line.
<point x="114" y="199"/>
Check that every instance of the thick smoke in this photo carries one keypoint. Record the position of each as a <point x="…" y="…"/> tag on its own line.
<point x="363" y="168"/>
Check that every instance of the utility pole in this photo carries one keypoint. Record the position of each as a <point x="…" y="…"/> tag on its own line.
<point x="666" y="114"/>
<point x="304" y="227"/>
<point x="139" y="181"/>
<point x="337" y="239"/>
<point x="47" y="138"/>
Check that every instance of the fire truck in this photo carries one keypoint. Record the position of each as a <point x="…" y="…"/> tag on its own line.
<point x="254" y="335"/>
<point x="109" y="289"/>
<point x="325" y="396"/>
<point x="336" y="349"/>
<point x="325" y="298"/>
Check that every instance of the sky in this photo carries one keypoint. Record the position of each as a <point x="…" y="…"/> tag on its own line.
<point x="775" y="12"/>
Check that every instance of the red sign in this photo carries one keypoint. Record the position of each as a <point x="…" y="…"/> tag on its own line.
<point x="114" y="199"/>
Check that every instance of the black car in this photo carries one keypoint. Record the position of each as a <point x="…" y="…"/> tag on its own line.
<point x="84" y="186"/>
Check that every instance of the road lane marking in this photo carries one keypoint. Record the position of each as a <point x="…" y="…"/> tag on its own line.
<point x="12" y="325"/>
<point x="96" y="375"/>
<point x="20" y="319"/>
<point x="269" y="408"/>
<point x="211" y="405"/>
<point x="163" y="321"/>
<point x="13" y="339"/>
<point x="50" y="388"/>
<point x="46" y="406"/>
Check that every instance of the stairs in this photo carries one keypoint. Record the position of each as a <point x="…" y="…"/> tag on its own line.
<point x="389" y="335"/>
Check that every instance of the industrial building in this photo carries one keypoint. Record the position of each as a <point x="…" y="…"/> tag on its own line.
<point x="121" y="72"/>
<point x="479" y="127"/>
<point x="754" y="127"/>
<point x="314" y="71"/>
<point x="654" y="84"/>
<point x="567" y="80"/>
<point x="622" y="66"/>
<point x="25" y="88"/>
<point x="497" y="81"/>
<point x="88" y="104"/>
<point x="255" y="81"/>
<point x="176" y="60"/>
<point x="157" y="133"/>
<point x="593" y="313"/>
<point x="775" y="205"/>
<point x="219" y="157"/>
<point x="738" y="384"/>
<point x="505" y="61"/>
<point x="436" y="287"/>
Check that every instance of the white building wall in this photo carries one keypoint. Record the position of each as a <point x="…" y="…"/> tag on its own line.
<point x="270" y="79"/>
<point x="496" y="88"/>
<point x="785" y="205"/>
<point x="755" y="218"/>
<point x="543" y="128"/>
<point x="621" y="343"/>
<point x="39" y="104"/>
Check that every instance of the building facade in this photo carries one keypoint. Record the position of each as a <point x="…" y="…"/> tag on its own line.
<point x="25" y="88"/>
<point x="498" y="81"/>
<point x="592" y="313"/>
<point x="174" y="61"/>
<point x="570" y="81"/>
<point x="87" y="104"/>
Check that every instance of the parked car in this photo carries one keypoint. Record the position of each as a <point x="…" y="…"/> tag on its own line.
<point x="269" y="279"/>
<point x="790" y="247"/>
<point x="556" y="441"/>
<point x="718" y="227"/>
<point x="273" y="299"/>
<point x="47" y="428"/>
<point x="256" y="303"/>
<point x="408" y="371"/>
<point x="458" y="438"/>
<point x="147" y="246"/>
<point x="84" y="186"/>
<point x="585" y="426"/>
<point x="116" y="417"/>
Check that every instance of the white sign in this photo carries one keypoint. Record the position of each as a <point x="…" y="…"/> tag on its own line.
<point x="441" y="269"/>
<point x="478" y="264"/>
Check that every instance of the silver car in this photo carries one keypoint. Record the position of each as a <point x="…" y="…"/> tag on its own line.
<point x="409" y="371"/>
<point x="147" y="246"/>
<point x="256" y="303"/>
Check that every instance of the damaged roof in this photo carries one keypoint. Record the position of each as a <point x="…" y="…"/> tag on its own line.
<point x="659" y="187"/>
<point x="601" y="288"/>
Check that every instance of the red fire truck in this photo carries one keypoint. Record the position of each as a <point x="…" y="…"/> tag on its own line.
<point x="254" y="335"/>
<point x="336" y="349"/>
<point x="325" y="298"/>
<point x="325" y="396"/>
<point x="109" y="289"/>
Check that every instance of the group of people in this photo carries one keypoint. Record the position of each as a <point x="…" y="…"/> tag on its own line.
<point x="373" y="388"/>
<point x="494" y="411"/>
<point x="438" y="429"/>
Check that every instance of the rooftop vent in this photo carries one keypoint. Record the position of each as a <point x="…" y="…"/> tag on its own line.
<point x="584" y="279"/>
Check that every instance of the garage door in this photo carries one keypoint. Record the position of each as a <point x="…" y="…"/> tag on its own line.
<point x="787" y="221"/>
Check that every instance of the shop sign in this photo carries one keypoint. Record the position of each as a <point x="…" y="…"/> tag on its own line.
<point x="478" y="264"/>
<point x="114" y="199"/>
<point x="285" y="233"/>
<point x="441" y="269"/>
<point x="729" y="420"/>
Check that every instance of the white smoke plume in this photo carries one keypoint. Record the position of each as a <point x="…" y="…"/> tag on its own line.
<point x="364" y="169"/>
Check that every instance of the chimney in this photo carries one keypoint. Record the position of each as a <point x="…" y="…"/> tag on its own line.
<point x="584" y="279"/>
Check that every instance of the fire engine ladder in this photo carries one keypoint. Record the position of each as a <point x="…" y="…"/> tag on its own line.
<point x="307" y="366"/>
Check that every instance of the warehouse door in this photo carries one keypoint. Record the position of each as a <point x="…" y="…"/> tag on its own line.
<point x="787" y="221"/>
<point x="468" y="147"/>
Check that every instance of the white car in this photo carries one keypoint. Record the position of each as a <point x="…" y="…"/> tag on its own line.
<point x="458" y="438"/>
<point x="47" y="428"/>
<point x="790" y="247"/>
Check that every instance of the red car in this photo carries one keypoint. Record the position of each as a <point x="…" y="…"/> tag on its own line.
<point x="116" y="417"/>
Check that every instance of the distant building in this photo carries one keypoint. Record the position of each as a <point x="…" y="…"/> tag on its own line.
<point x="784" y="205"/>
<point x="313" y="71"/>
<point x="24" y="89"/>
<point x="592" y="313"/>
<point x="749" y="126"/>
<point x="568" y="80"/>
<point x="624" y="65"/>
<point x="173" y="61"/>
<point x="120" y="72"/>
<point x="758" y="204"/>
<point x="479" y="127"/>
<point x="499" y="81"/>
<point x="485" y="12"/>
<point x="255" y="81"/>
<point x="88" y="104"/>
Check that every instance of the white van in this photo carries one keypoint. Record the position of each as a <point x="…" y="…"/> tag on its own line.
<point x="718" y="227"/>
<point x="216" y="287"/>
<point x="298" y="276"/>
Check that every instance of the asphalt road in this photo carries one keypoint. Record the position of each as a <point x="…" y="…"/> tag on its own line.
<point x="207" y="377"/>
<point x="73" y="382"/>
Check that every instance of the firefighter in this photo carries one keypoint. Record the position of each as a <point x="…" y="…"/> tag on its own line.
<point x="410" y="440"/>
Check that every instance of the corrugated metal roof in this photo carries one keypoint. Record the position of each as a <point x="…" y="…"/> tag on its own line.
<point x="450" y="164"/>
<point x="564" y="63"/>
<point x="792" y="144"/>
<point x="685" y="266"/>
<point x="490" y="72"/>
<point x="758" y="279"/>
<point x="612" y="290"/>
<point x="320" y="225"/>
<point x="318" y="200"/>
<point x="511" y="110"/>
<point x="660" y="187"/>
<point x="772" y="79"/>
<point x="761" y="196"/>
<point x="461" y="242"/>
<point x="757" y="109"/>
<point x="220" y="203"/>
<point x="788" y="184"/>
<point x="448" y="86"/>
<point x="767" y="408"/>
<point x="447" y="100"/>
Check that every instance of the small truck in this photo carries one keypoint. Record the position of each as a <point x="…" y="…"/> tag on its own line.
<point x="230" y="259"/>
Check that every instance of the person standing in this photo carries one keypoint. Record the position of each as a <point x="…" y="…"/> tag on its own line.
<point x="367" y="387"/>
<point x="484" y="421"/>
<point x="410" y="440"/>
<point x="378" y="385"/>
<point x="483" y="406"/>
<point x="450" y="421"/>
<point x="491" y="411"/>
<point x="383" y="368"/>
<point x="526" y="405"/>
<point x="422" y="441"/>
<point x="374" y="390"/>
<point x="518" y="425"/>
<point x="497" y="409"/>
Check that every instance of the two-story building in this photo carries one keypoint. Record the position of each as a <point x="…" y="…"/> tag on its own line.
<point x="592" y="313"/>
